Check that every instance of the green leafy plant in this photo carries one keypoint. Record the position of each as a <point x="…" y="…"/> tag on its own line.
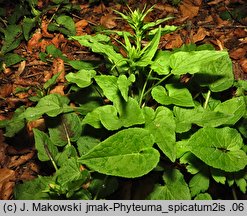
<point x="25" y="17"/>
<point x="138" y="118"/>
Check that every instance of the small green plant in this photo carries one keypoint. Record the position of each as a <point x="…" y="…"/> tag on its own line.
<point x="19" y="25"/>
<point x="139" y="118"/>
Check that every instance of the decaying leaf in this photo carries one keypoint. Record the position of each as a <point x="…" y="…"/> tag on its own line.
<point x="188" y="9"/>
<point x="108" y="21"/>
<point x="7" y="177"/>
<point x="80" y="25"/>
<point x="34" y="42"/>
<point x="58" y="67"/>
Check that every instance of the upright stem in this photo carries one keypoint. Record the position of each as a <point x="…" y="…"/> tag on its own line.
<point x="164" y="78"/>
<point x="144" y="87"/>
<point x="207" y="99"/>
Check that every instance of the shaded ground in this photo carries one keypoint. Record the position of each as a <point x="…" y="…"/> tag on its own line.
<point x="201" y="21"/>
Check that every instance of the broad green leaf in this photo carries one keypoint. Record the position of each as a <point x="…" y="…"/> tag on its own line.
<point x="124" y="84"/>
<point x="64" y="24"/>
<point x="64" y="129"/>
<point x="34" y="189"/>
<point x="181" y="148"/>
<point x="149" y="114"/>
<point x="235" y="107"/>
<point x="193" y="164"/>
<point x="67" y="153"/>
<point x="199" y="183"/>
<point x="242" y="127"/>
<point x="241" y="183"/>
<point x="131" y="114"/>
<point x="215" y="67"/>
<point x="103" y="186"/>
<point x="12" y="38"/>
<point x="70" y="177"/>
<point x="28" y="25"/>
<point x="15" y="124"/>
<point x="82" y="78"/>
<point x="78" y="65"/>
<point x="52" y="105"/>
<point x="95" y="43"/>
<point x="217" y="75"/>
<point x="111" y="119"/>
<point x="172" y="94"/>
<point x="105" y="115"/>
<point x="162" y="127"/>
<point x="203" y="196"/>
<point x="218" y="175"/>
<point x="12" y="58"/>
<point x="205" y="118"/>
<point x="175" y="187"/>
<point x="85" y="144"/>
<point x="161" y="62"/>
<point x="128" y="153"/>
<point x="93" y="118"/>
<point x="55" y="52"/>
<point x="219" y="148"/>
<point x="110" y="88"/>
<point x="193" y="61"/>
<point x="91" y="99"/>
<point x="46" y="149"/>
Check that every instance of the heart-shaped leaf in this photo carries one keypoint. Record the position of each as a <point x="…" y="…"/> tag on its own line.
<point x="219" y="148"/>
<point x="128" y="153"/>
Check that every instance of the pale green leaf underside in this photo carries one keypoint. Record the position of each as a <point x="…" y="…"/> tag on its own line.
<point x="128" y="153"/>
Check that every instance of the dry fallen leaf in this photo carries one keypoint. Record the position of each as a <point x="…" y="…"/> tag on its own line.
<point x="3" y="156"/>
<point x="108" y="21"/>
<point x="238" y="53"/>
<point x="34" y="42"/>
<point x="80" y="25"/>
<point x="44" y="26"/>
<point x="188" y="9"/>
<point x="58" y="89"/>
<point x="39" y="124"/>
<point x="57" y="40"/>
<point x="6" y="90"/>
<point x="200" y="35"/>
<point x="7" y="178"/>
<point x="243" y="64"/>
<point x="174" y="41"/>
<point x="58" y="67"/>
<point x="16" y="161"/>
<point x="166" y="7"/>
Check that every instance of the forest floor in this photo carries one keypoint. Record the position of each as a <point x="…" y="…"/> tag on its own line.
<point x="220" y="23"/>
